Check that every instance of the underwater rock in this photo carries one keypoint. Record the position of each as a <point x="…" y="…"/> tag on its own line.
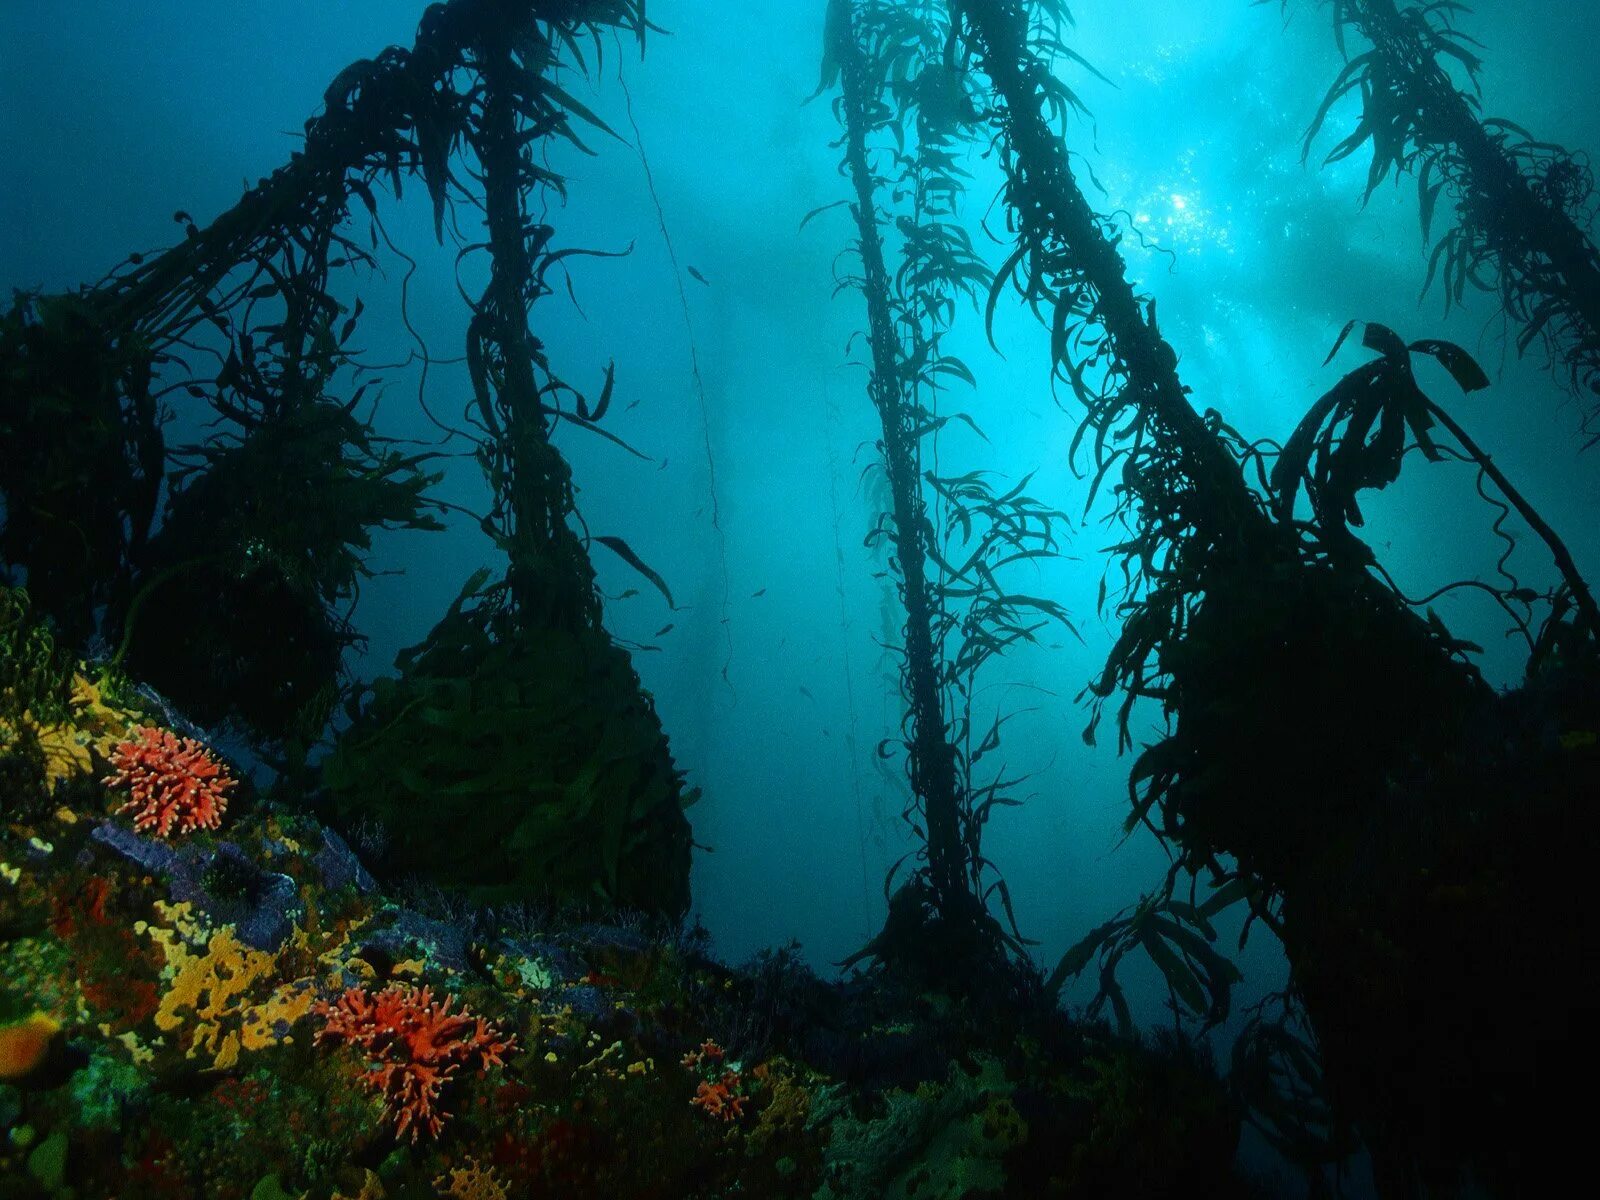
<point x="939" y="1142"/>
<point x="170" y="716"/>
<point x="262" y="906"/>
<point x="618" y="938"/>
<point x="588" y="1002"/>
<point x="155" y="857"/>
<point x="218" y="1059"/>
<point x="273" y="917"/>
<point x="542" y="965"/>
<point x="408" y="935"/>
<point x="221" y="882"/>
<point x="339" y="867"/>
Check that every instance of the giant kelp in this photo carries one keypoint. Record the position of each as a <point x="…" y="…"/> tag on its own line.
<point x="237" y="611"/>
<point x="483" y="743"/>
<point x="1524" y="208"/>
<point x="81" y="455"/>
<point x="234" y="600"/>
<point x="1419" y="850"/>
<point x="950" y="537"/>
<point x="1392" y="841"/>
<point x="573" y="737"/>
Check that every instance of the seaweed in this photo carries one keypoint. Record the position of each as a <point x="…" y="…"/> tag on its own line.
<point x="1178" y="937"/>
<point x="81" y="456"/>
<point x="238" y="612"/>
<point x="1376" y="830"/>
<point x="949" y="537"/>
<point x="1333" y="765"/>
<point x="35" y="670"/>
<point x="1524" y="207"/>
<point x="497" y="778"/>
<point x="1356" y="437"/>
<point x="517" y="755"/>
<point x="236" y="600"/>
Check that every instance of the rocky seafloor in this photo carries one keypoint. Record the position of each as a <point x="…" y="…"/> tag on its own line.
<point x="244" y="1012"/>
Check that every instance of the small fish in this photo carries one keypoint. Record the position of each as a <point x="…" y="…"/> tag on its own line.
<point x="664" y="630"/>
<point x="695" y="275"/>
<point x="757" y="595"/>
<point x="806" y="692"/>
<point x="663" y="465"/>
<point x="629" y="594"/>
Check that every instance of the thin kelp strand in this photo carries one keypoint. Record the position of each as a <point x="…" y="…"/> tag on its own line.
<point x="725" y="621"/>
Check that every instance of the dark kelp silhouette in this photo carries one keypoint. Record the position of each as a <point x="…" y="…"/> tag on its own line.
<point x="233" y="604"/>
<point x="1333" y="759"/>
<point x="550" y="752"/>
<point x="82" y="455"/>
<point x="948" y="536"/>
<point x="1524" y="208"/>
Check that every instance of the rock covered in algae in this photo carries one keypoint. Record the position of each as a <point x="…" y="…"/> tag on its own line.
<point x="939" y="1141"/>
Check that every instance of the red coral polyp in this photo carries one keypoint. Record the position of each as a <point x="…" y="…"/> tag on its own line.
<point x="174" y="784"/>
<point x="721" y="1098"/>
<point x="414" y="1046"/>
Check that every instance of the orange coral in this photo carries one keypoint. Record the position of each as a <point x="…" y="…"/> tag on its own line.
<point x="721" y="1098"/>
<point x="173" y="783"/>
<point x="707" y="1054"/>
<point x="721" y="1090"/>
<point x="414" y="1045"/>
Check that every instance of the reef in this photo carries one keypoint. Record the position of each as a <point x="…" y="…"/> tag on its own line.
<point x="235" y="1008"/>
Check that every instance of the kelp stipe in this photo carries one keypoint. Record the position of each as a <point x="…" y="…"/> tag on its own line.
<point x="236" y="606"/>
<point x="947" y="536"/>
<point x="1392" y="837"/>
<point x="1181" y="497"/>
<point x="554" y="780"/>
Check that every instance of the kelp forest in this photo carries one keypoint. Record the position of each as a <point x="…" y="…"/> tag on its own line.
<point x="280" y="918"/>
